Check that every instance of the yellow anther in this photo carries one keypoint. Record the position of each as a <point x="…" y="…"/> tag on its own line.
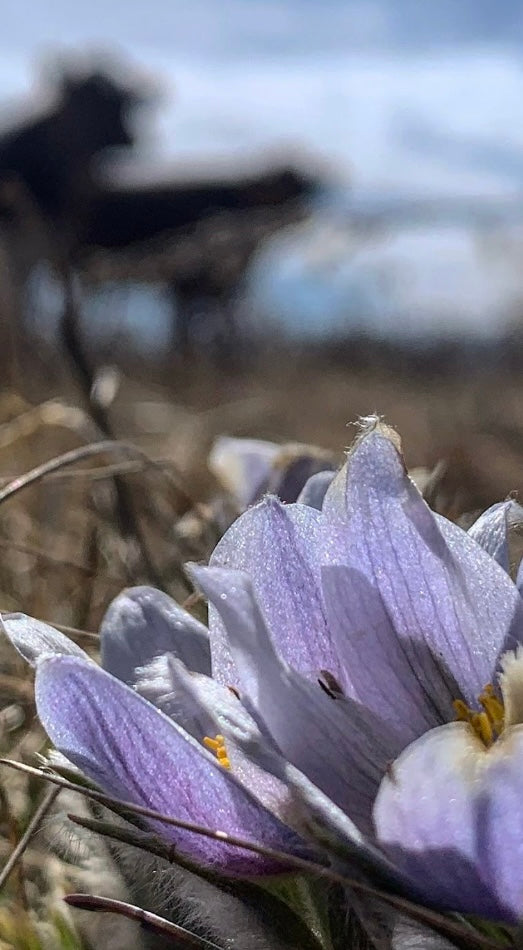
<point x="217" y="745"/>
<point x="482" y="726"/>
<point x="493" y="708"/>
<point x="211" y="744"/>
<point x="461" y="709"/>
<point x="487" y="724"/>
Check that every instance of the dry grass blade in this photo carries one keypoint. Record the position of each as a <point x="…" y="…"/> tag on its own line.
<point x="75" y="632"/>
<point x="463" y="936"/>
<point x="60" y="462"/>
<point x="99" y="448"/>
<point x="32" y="827"/>
<point x="181" y="936"/>
<point x="67" y="459"/>
<point x="128" y="522"/>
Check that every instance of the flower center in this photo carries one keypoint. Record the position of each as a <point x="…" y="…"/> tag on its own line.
<point x="487" y="724"/>
<point x="217" y="745"/>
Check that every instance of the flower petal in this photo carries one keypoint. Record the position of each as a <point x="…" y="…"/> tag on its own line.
<point x="134" y="752"/>
<point x="293" y="468"/>
<point x="243" y="465"/>
<point x="204" y="707"/>
<point x="439" y="815"/>
<point x="376" y="667"/>
<point x="34" y="639"/>
<point x="500" y="823"/>
<point x="142" y="623"/>
<point x="340" y="746"/>
<point x="276" y="545"/>
<point x="519" y="578"/>
<point x="453" y="607"/>
<point x="491" y="530"/>
<point x="310" y="812"/>
<point x="314" y="490"/>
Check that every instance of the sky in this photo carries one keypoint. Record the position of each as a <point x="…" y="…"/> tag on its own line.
<point x="393" y="105"/>
<point x="328" y="76"/>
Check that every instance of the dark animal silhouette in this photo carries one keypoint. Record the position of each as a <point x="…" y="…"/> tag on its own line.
<point x="47" y="181"/>
<point x="120" y="217"/>
<point x="48" y="174"/>
<point x="197" y="238"/>
<point x="51" y="157"/>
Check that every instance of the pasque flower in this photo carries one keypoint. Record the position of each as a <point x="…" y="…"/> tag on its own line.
<point x="131" y="748"/>
<point x="366" y="690"/>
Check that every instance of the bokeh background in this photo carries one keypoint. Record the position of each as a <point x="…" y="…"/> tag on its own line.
<point x="403" y="255"/>
<point x="409" y="114"/>
<point x="256" y="218"/>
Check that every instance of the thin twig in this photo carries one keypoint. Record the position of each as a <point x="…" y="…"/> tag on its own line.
<point x="166" y="467"/>
<point x="75" y="632"/>
<point x="63" y="461"/>
<point x="82" y="452"/>
<point x="40" y="812"/>
<point x="72" y="631"/>
<point x="149" y="921"/>
<point x="417" y="912"/>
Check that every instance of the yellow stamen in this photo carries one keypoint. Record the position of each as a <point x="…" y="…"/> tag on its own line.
<point x="460" y="708"/>
<point x="217" y="745"/>
<point x="487" y="724"/>
<point x="211" y="744"/>
<point x="493" y="708"/>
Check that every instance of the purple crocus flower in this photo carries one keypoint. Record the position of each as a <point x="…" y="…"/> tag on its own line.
<point x="131" y="748"/>
<point x="408" y="623"/>
<point x="344" y="643"/>
<point x="249" y="468"/>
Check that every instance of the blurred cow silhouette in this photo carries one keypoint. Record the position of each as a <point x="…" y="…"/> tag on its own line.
<point x="48" y="172"/>
<point x="51" y="156"/>
<point x="196" y="237"/>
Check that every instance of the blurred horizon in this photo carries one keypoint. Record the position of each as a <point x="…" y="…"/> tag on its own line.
<point x="410" y="112"/>
<point x="363" y="84"/>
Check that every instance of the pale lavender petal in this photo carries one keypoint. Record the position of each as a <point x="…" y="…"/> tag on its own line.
<point x="293" y="469"/>
<point x="134" y="752"/>
<point x="339" y="745"/>
<point x="309" y="811"/>
<point x="202" y="703"/>
<point x="433" y="817"/>
<point x="34" y="639"/>
<point x="277" y="546"/>
<point x="142" y="623"/>
<point x="491" y="530"/>
<point x="377" y="669"/>
<point x="499" y="822"/>
<point x="243" y="465"/>
<point x="519" y="578"/>
<point x="315" y="489"/>
<point x="204" y="707"/>
<point x="452" y="606"/>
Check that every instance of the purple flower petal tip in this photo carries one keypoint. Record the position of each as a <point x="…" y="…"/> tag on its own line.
<point x="134" y="752"/>
<point x="34" y="639"/>
<point x="143" y="623"/>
